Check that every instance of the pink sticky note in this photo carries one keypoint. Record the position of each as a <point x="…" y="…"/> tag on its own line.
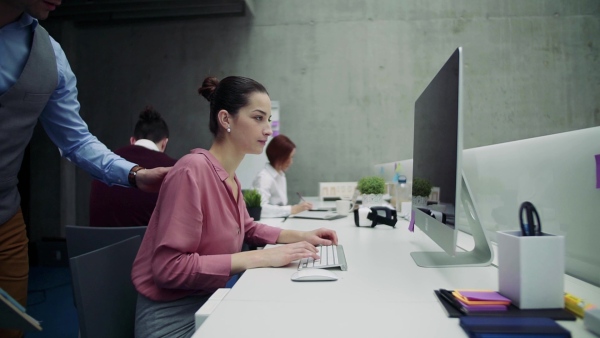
<point x="411" y="224"/>
<point x="484" y="296"/>
<point x="597" y="171"/>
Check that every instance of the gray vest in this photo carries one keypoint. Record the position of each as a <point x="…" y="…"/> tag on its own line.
<point x="20" y="108"/>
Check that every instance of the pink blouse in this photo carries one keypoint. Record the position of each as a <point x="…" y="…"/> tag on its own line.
<point x="195" y="228"/>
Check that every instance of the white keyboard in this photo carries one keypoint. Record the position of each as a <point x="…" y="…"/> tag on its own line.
<point x="331" y="256"/>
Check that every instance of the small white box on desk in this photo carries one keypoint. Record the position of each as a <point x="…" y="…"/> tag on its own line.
<point x="531" y="269"/>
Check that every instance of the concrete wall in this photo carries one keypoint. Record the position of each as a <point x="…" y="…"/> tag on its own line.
<point x="346" y="74"/>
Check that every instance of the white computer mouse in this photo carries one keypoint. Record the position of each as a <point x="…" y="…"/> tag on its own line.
<point x="311" y="275"/>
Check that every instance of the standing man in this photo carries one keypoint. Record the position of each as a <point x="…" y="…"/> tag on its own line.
<point x="36" y="83"/>
<point x="118" y="206"/>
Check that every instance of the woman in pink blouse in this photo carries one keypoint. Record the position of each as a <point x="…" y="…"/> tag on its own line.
<point x="194" y="238"/>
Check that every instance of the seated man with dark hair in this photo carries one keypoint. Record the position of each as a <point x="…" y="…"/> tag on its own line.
<point x="117" y="206"/>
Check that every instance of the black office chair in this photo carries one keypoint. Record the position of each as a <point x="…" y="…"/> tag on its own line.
<point x="104" y="294"/>
<point x="82" y="239"/>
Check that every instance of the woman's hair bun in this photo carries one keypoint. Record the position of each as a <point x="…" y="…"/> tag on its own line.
<point x="209" y="85"/>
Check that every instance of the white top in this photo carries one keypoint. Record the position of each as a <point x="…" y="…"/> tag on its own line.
<point x="146" y="144"/>
<point x="272" y="186"/>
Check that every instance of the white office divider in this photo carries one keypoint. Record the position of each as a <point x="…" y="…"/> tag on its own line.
<point x="531" y="269"/>
<point x="557" y="173"/>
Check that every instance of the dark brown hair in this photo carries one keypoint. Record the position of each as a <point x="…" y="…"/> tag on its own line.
<point x="279" y="150"/>
<point x="229" y="94"/>
<point x="151" y="126"/>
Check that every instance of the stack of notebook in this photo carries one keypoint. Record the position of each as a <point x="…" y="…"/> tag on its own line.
<point x="456" y="308"/>
<point x="477" y="300"/>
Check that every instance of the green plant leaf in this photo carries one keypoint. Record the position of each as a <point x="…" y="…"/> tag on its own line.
<point x="371" y="185"/>
<point x="252" y="198"/>
<point x="421" y="187"/>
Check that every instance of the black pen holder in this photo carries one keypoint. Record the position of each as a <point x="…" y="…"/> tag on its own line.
<point x="531" y="269"/>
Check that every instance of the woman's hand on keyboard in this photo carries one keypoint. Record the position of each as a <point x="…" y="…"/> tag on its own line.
<point x="322" y="236"/>
<point x="285" y="254"/>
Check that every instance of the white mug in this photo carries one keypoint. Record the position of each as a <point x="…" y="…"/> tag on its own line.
<point x="343" y="206"/>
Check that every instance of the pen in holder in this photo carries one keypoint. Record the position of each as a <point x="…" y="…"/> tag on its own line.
<point x="531" y="269"/>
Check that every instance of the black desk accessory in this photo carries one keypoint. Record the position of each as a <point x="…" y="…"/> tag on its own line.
<point x="512" y="327"/>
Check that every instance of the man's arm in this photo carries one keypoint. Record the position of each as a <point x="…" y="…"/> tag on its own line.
<point x="70" y="133"/>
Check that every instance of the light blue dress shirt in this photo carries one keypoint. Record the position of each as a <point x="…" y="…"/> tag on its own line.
<point x="60" y="118"/>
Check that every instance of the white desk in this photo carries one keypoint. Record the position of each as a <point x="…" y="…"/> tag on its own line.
<point x="383" y="293"/>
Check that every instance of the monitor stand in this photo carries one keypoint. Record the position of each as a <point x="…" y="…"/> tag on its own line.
<point x="481" y="255"/>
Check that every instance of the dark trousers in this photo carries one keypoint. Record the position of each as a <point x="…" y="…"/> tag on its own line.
<point x="14" y="263"/>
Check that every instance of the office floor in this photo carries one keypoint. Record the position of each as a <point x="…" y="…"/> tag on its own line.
<point x="50" y="301"/>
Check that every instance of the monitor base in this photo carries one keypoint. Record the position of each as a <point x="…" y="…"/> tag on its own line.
<point x="481" y="255"/>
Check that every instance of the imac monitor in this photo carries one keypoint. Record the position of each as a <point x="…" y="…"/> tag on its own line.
<point x="437" y="155"/>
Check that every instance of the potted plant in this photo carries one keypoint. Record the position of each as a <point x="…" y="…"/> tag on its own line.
<point x="253" y="199"/>
<point x="372" y="189"/>
<point x="421" y="189"/>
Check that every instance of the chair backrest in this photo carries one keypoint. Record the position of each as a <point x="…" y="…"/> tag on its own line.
<point x="83" y="239"/>
<point x="104" y="294"/>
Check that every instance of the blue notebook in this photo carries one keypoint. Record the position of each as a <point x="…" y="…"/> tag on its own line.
<point x="498" y="327"/>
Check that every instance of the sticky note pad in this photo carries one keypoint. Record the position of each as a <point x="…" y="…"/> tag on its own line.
<point x="484" y="296"/>
<point x="597" y="171"/>
<point x="476" y="297"/>
<point x="411" y="225"/>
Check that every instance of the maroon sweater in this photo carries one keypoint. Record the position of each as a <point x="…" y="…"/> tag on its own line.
<point x="120" y="206"/>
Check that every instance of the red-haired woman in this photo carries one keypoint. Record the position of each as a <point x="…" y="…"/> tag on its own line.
<point x="271" y="181"/>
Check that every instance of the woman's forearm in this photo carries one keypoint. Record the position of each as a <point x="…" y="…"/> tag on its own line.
<point x="245" y="260"/>
<point x="290" y="236"/>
